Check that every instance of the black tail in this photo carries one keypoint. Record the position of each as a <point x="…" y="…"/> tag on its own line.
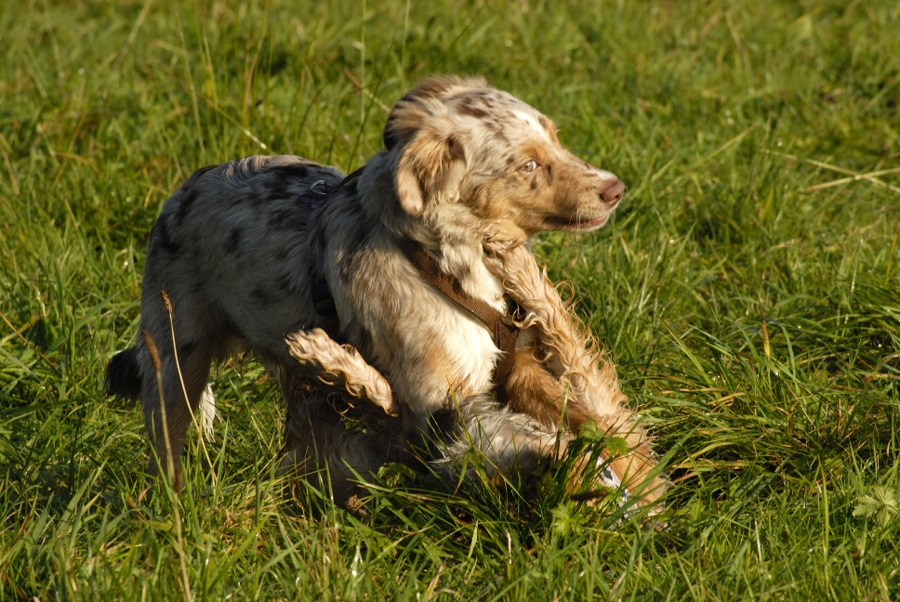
<point x="123" y="375"/>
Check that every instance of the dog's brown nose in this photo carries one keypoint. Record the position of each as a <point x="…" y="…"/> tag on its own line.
<point x="613" y="192"/>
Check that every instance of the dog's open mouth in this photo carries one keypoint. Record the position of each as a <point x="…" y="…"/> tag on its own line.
<point x="577" y="225"/>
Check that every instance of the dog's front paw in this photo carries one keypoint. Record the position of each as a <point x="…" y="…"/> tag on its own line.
<point x="341" y="366"/>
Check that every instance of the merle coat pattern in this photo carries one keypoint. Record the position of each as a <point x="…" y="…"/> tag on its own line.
<point x="465" y="167"/>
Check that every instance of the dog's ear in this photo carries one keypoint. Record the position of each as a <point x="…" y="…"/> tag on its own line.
<point x="422" y="133"/>
<point x="402" y="122"/>
<point x="430" y="166"/>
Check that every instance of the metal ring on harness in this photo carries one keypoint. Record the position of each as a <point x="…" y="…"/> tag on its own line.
<point x="318" y="192"/>
<point x="319" y="188"/>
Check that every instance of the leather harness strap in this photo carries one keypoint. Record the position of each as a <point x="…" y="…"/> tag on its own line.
<point x="501" y="325"/>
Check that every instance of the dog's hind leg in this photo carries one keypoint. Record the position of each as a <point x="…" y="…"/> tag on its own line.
<point x="171" y="400"/>
<point x="149" y="371"/>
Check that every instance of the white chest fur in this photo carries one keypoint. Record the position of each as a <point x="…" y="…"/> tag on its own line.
<point x="444" y="351"/>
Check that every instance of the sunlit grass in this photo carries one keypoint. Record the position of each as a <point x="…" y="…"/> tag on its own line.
<point x="748" y="288"/>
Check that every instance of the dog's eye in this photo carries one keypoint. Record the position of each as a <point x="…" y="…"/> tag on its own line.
<point x="529" y="166"/>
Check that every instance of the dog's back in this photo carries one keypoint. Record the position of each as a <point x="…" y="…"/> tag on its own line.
<point x="227" y="265"/>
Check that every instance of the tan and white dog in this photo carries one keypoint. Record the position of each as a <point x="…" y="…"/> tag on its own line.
<point x="253" y="250"/>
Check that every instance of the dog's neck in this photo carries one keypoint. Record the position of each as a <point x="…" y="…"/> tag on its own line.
<point x="465" y="261"/>
<point x="458" y="251"/>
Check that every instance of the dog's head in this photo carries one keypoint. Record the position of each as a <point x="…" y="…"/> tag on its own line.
<point x="467" y="155"/>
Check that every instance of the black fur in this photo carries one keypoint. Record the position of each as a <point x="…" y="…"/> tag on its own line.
<point x="291" y="172"/>
<point x="123" y="375"/>
<point x="161" y="236"/>
<point x="233" y="242"/>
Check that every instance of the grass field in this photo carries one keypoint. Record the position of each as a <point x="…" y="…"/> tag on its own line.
<point x="748" y="288"/>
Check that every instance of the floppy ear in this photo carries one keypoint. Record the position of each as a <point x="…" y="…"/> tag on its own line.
<point x="431" y="162"/>
<point x="424" y="98"/>
<point x="430" y="166"/>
